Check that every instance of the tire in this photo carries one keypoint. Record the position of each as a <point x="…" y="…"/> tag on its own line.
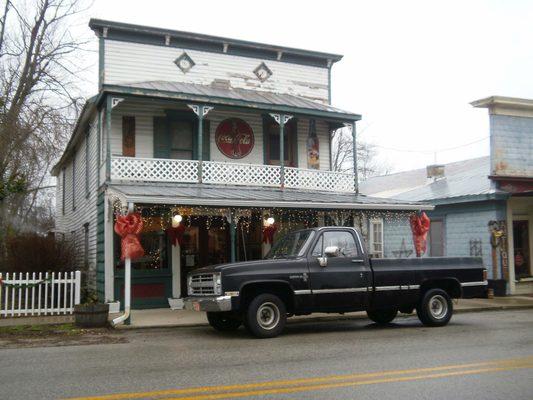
<point x="223" y="322"/>
<point x="435" y="308"/>
<point x="265" y="316"/>
<point x="383" y="316"/>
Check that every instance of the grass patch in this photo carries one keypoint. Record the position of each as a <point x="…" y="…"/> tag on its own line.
<point x="40" y="330"/>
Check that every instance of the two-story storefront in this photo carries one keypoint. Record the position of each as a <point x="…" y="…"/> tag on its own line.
<point x="222" y="145"/>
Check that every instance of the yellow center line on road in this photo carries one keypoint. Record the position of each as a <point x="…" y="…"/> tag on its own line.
<point x="316" y="383"/>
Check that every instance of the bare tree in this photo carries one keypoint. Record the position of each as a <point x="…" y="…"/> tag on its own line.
<point x="38" y="74"/>
<point x="342" y="155"/>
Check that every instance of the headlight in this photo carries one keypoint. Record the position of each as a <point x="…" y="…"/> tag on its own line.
<point x="217" y="280"/>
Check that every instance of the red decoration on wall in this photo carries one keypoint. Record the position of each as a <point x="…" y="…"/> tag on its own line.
<point x="234" y="138"/>
<point x="268" y="233"/>
<point x="128" y="228"/>
<point x="175" y="234"/>
<point x="420" y="227"/>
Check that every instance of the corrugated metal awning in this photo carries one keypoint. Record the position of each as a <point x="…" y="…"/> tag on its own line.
<point x="226" y="196"/>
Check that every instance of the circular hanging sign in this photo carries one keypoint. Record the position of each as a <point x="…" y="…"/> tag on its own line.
<point x="234" y="138"/>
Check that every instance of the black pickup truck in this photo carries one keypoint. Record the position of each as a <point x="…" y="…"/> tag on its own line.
<point x="327" y="270"/>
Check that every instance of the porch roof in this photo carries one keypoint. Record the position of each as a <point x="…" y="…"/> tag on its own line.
<point x="234" y="97"/>
<point x="226" y="196"/>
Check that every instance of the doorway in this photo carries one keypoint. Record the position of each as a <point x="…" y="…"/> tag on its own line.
<point x="521" y="248"/>
<point x="206" y="241"/>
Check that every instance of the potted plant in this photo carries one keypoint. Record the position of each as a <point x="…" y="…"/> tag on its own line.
<point x="90" y="313"/>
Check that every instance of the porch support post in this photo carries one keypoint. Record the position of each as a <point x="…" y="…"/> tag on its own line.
<point x="111" y="102"/>
<point x="108" y="109"/>
<point x="510" y="246"/>
<point x="281" y="119"/>
<point x="232" y="236"/>
<point x="201" y="111"/>
<point x="354" y="149"/>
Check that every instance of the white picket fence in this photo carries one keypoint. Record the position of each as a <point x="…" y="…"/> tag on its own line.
<point x="24" y="294"/>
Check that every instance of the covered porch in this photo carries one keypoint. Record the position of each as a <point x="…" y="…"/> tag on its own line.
<point x="219" y="224"/>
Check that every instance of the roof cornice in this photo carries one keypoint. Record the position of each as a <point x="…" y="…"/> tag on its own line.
<point x="169" y="37"/>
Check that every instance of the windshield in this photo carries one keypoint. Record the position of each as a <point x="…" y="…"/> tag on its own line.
<point x="290" y="245"/>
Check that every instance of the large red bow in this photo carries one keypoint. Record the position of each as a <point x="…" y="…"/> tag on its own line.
<point x="420" y="227"/>
<point x="128" y="228"/>
<point x="268" y="233"/>
<point x="175" y="234"/>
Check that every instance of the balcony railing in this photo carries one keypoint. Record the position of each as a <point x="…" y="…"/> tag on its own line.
<point x="224" y="173"/>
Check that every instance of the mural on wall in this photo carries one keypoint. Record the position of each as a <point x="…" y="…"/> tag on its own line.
<point x="498" y="240"/>
<point x="313" y="147"/>
<point x="234" y="138"/>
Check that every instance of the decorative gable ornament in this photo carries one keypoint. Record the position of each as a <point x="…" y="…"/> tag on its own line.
<point x="184" y="62"/>
<point x="262" y="72"/>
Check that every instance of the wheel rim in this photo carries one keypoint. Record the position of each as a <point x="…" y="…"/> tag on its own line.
<point x="268" y="315"/>
<point x="438" y="307"/>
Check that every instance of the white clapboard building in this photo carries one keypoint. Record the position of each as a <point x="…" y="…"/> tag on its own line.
<point x="225" y="137"/>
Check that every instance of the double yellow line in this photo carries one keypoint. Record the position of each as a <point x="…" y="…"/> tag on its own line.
<point x="322" y="383"/>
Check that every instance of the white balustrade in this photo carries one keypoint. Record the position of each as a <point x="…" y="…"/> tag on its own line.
<point x="227" y="173"/>
<point x="313" y="179"/>
<point x="153" y="169"/>
<point x="241" y="174"/>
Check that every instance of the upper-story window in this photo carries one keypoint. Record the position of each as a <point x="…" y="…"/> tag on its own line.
<point x="272" y="143"/>
<point x="87" y="137"/>
<point x="63" y="189"/>
<point x="74" y="181"/>
<point x="176" y="136"/>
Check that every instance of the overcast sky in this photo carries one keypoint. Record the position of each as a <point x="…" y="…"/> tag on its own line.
<point x="410" y="68"/>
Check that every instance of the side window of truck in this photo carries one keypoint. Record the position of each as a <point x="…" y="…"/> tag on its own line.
<point x="342" y="239"/>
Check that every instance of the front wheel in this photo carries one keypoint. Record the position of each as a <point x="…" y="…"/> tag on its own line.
<point x="382" y="316"/>
<point x="223" y="322"/>
<point x="266" y="316"/>
<point x="435" y="308"/>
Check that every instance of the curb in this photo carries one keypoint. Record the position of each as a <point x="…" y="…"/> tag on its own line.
<point x="338" y="317"/>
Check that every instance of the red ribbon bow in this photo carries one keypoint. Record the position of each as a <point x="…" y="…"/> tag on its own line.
<point x="420" y="227"/>
<point x="175" y="234"/>
<point x="128" y="228"/>
<point x="268" y="233"/>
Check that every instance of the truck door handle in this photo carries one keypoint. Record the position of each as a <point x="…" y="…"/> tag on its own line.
<point x="357" y="261"/>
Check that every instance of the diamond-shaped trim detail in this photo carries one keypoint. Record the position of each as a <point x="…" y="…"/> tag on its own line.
<point x="184" y="62"/>
<point x="262" y="72"/>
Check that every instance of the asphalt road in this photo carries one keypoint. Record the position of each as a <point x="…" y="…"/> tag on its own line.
<point x="485" y="355"/>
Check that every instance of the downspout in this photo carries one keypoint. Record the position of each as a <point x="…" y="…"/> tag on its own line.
<point x="127" y="286"/>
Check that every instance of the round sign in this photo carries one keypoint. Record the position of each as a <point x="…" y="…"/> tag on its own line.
<point x="234" y="138"/>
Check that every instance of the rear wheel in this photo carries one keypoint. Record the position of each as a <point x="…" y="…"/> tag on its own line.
<point x="223" y="322"/>
<point x="435" y="308"/>
<point x="265" y="316"/>
<point x="382" y="316"/>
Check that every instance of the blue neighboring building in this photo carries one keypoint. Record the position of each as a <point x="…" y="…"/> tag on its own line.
<point x="483" y="206"/>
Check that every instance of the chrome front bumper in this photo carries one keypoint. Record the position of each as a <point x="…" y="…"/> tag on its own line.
<point x="209" y="304"/>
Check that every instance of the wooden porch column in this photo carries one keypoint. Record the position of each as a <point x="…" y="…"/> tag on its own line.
<point x="232" y="233"/>
<point x="354" y="138"/>
<point x="201" y="111"/>
<point x="111" y="102"/>
<point x="281" y="119"/>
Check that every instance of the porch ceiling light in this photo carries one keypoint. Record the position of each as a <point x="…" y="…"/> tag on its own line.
<point x="270" y="221"/>
<point x="177" y="219"/>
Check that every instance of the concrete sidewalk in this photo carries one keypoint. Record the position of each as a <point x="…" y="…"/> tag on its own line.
<point x="165" y="317"/>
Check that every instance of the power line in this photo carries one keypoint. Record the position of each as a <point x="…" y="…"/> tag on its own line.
<point x="432" y="151"/>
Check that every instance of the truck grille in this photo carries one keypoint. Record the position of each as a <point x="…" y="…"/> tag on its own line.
<point x="202" y="285"/>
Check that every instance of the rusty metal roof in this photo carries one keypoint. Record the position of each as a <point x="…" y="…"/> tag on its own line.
<point x="258" y="99"/>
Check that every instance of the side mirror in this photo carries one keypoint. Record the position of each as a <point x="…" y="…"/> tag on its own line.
<point x="332" y="251"/>
<point x="322" y="261"/>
